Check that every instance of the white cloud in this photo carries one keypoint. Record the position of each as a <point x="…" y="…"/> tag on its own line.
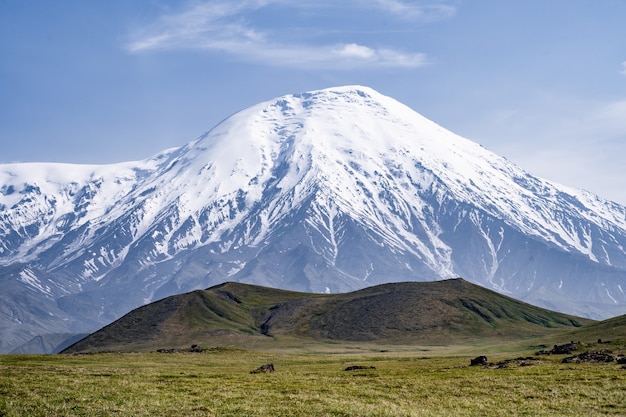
<point x="356" y="51"/>
<point x="623" y="71"/>
<point x="206" y="25"/>
<point x="221" y="26"/>
<point x="410" y="10"/>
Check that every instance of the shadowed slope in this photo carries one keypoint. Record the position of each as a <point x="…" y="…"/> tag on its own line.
<point x="441" y="312"/>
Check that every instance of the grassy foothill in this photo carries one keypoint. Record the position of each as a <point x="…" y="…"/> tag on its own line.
<point x="218" y="382"/>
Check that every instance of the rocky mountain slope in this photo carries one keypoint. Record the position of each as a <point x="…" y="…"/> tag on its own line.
<point x="328" y="191"/>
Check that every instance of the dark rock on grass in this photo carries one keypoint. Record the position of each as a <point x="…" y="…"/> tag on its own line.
<point x="591" y="357"/>
<point x="358" y="367"/>
<point x="566" y="349"/>
<point x="264" y="369"/>
<point x="517" y="361"/>
<point x="192" y="349"/>
<point x="479" y="360"/>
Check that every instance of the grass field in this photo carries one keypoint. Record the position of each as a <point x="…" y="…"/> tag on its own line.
<point x="218" y="382"/>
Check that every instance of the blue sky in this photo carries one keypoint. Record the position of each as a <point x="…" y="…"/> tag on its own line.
<point x="542" y="83"/>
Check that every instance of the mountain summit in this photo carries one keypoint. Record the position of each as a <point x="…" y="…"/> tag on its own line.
<point x="327" y="191"/>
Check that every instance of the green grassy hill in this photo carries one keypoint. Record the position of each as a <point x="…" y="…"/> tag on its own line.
<point x="613" y="329"/>
<point x="232" y="314"/>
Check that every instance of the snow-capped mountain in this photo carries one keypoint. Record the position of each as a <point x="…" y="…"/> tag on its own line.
<point x="327" y="191"/>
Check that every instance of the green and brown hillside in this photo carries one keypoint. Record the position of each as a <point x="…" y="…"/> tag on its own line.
<point x="234" y="314"/>
<point x="613" y="329"/>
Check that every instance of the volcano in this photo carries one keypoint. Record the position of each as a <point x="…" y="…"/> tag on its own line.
<point x="324" y="192"/>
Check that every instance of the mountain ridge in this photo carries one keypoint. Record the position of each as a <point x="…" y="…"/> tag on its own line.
<point x="327" y="191"/>
<point x="242" y="315"/>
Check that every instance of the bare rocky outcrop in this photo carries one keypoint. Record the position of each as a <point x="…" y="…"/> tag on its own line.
<point x="478" y="361"/>
<point x="264" y="369"/>
<point x="358" y="367"/>
<point x="564" y="349"/>
<point x="595" y="357"/>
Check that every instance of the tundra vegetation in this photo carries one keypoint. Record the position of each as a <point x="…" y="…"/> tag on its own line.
<point x="433" y="349"/>
<point x="336" y="379"/>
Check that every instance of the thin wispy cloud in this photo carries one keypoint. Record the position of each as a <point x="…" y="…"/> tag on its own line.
<point x="623" y="71"/>
<point x="206" y="25"/>
<point x="228" y="27"/>
<point x="414" y="10"/>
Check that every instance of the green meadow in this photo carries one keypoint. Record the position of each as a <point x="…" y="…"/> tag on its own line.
<point x="400" y="381"/>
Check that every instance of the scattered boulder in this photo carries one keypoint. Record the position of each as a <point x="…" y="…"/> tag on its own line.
<point x="517" y="361"/>
<point x="479" y="360"/>
<point x="591" y="357"/>
<point x="264" y="368"/>
<point x="565" y="349"/>
<point x="358" y="367"/>
<point x="192" y="349"/>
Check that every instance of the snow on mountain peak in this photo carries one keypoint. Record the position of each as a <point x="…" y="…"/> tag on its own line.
<point x="367" y="153"/>
<point x="352" y="135"/>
